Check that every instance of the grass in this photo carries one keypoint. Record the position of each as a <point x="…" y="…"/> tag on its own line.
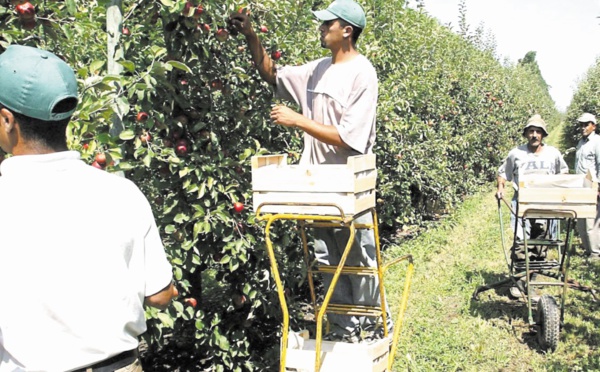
<point x="446" y="330"/>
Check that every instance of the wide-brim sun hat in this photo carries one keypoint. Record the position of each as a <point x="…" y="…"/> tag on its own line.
<point x="536" y="121"/>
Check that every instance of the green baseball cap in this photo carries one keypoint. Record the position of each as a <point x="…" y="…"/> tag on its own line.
<point x="347" y="10"/>
<point x="34" y="81"/>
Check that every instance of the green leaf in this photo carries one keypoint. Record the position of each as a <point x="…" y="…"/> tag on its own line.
<point x="126" y="135"/>
<point x="180" y="66"/>
<point x="147" y="160"/>
<point x="95" y="66"/>
<point x="128" y="65"/>
<point x="71" y="7"/>
<point x="166" y="319"/>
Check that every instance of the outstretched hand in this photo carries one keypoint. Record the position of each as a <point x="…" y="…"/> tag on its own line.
<point x="240" y="22"/>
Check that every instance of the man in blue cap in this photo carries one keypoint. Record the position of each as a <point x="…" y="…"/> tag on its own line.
<point x="80" y="253"/>
<point x="338" y="98"/>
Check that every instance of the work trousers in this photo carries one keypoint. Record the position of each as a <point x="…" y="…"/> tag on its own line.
<point x="350" y="289"/>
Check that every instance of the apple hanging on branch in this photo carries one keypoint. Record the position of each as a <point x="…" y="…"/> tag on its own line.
<point x="191" y="302"/>
<point x="141" y="116"/>
<point x="181" y="147"/>
<point x="222" y="34"/>
<point x="238" y="207"/>
<point x="276" y="54"/>
<point x="26" y="11"/>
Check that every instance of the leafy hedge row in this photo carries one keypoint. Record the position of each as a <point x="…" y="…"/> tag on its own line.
<point x="585" y="99"/>
<point x="448" y="111"/>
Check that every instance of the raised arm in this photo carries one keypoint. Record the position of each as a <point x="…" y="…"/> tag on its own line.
<point x="240" y="21"/>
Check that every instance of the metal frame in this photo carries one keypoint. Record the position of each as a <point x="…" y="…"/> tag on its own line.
<point x="334" y="221"/>
<point x="560" y="272"/>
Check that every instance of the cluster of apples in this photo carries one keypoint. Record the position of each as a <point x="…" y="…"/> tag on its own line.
<point x="222" y="33"/>
<point x="181" y="145"/>
<point x="26" y="12"/>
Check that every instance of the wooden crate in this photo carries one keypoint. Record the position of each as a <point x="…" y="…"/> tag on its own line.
<point x="336" y="356"/>
<point x="558" y="192"/>
<point x="351" y="186"/>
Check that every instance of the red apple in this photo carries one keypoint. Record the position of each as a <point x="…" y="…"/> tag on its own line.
<point x="204" y="27"/>
<point x="216" y="84"/>
<point x="142" y="116"/>
<point x="96" y="165"/>
<point x="238" y="300"/>
<point x="126" y="31"/>
<point x="238" y="207"/>
<point x="145" y="137"/>
<point x="85" y="146"/>
<point x="276" y="54"/>
<point x="25" y="10"/>
<point x="222" y="34"/>
<point x="186" y="9"/>
<point x="101" y="158"/>
<point x="181" y="147"/>
<point x="191" y="302"/>
<point x="198" y="12"/>
<point x="264" y="29"/>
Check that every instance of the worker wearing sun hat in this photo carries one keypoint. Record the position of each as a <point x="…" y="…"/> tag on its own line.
<point x="534" y="157"/>
<point x="73" y="295"/>
<point x="587" y="158"/>
<point x="338" y="100"/>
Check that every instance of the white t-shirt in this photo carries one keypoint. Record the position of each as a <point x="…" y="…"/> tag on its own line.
<point x="341" y="94"/>
<point x="79" y="251"/>
<point x="521" y="160"/>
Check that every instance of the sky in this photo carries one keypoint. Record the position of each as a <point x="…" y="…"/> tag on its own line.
<point x="565" y="34"/>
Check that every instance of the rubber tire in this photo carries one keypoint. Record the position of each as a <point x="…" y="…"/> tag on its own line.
<point x="548" y="320"/>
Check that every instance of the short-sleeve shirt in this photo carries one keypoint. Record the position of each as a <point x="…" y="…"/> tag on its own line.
<point x="79" y="252"/>
<point x="341" y="94"/>
<point x="522" y="160"/>
<point x="588" y="155"/>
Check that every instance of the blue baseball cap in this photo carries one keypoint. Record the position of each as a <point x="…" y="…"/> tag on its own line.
<point x="34" y="81"/>
<point x="347" y="10"/>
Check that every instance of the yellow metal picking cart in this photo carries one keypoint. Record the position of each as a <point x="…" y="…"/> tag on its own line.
<point x="327" y="196"/>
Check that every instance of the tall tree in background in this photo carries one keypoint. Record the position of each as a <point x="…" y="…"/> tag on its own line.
<point x="529" y="62"/>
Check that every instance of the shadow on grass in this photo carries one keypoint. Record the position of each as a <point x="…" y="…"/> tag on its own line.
<point x="582" y="319"/>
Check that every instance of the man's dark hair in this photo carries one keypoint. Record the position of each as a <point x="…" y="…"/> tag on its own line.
<point x="50" y="133"/>
<point x="356" y="31"/>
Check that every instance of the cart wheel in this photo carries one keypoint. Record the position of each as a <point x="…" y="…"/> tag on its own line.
<point x="548" y="319"/>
